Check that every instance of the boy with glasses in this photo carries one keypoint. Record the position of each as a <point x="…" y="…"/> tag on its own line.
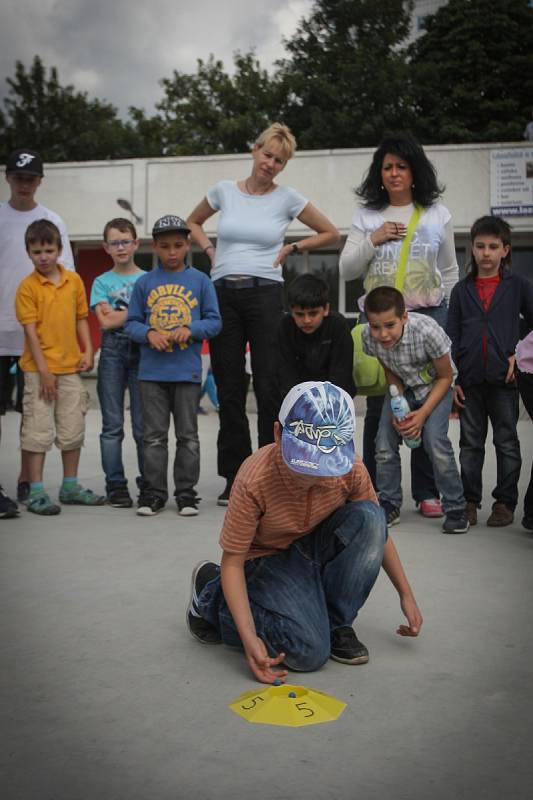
<point x="119" y="358"/>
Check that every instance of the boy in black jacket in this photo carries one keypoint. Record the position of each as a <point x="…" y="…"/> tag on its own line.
<point x="483" y="324"/>
<point x="314" y="343"/>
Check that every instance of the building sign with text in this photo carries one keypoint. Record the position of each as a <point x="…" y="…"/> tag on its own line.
<point x="511" y="182"/>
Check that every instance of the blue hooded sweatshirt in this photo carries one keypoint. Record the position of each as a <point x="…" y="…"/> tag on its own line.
<point x="163" y="300"/>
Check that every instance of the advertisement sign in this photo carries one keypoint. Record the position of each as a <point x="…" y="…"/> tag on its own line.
<point x="511" y="182"/>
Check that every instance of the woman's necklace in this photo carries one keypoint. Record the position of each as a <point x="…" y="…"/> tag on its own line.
<point x="265" y="191"/>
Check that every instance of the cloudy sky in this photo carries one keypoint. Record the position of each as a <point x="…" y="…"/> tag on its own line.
<point x="119" y="50"/>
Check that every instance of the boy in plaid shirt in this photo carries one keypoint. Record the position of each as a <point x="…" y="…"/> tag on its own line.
<point x="415" y="353"/>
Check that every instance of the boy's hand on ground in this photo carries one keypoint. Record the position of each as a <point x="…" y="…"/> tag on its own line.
<point x="158" y="340"/>
<point x="261" y="664"/>
<point x="182" y="334"/>
<point x="458" y="398"/>
<point x="48" y="390"/>
<point x="413" y="615"/>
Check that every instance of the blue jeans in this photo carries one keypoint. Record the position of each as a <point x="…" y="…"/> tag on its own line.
<point x="422" y="481"/>
<point x="117" y="369"/>
<point x="499" y="404"/>
<point x="248" y="315"/>
<point x="160" y="400"/>
<point x="436" y="444"/>
<point x="317" y="585"/>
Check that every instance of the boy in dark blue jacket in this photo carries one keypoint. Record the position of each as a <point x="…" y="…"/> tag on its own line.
<point x="483" y="324"/>
<point x="172" y="309"/>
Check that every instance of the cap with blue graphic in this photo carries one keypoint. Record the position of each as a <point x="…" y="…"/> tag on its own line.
<point x="318" y="420"/>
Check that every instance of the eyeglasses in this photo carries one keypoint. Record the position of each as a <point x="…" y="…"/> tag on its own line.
<point x="120" y="242"/>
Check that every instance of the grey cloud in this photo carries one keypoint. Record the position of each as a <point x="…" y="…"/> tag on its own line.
<point x="123" y="49"/>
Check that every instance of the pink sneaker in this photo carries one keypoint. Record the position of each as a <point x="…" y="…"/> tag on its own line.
<point x="431" y="507"/>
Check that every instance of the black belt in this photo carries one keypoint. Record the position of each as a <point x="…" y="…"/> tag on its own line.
<point x="248" y="282"/>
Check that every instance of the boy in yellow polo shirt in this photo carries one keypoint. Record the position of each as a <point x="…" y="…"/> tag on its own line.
<point x="52" y="307"/>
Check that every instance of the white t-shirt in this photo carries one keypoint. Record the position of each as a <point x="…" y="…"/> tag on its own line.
<point x="15" y="265"/>
<point x="432" y="269"/>
<point x="251" y="229"/>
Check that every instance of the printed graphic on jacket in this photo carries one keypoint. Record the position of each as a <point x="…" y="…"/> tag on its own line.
<point x="170" y="307"/>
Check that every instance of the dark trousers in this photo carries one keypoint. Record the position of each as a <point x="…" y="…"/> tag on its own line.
<point x="159" y="401"/>
<point x="248" y="315"/>
<point x="499" y="403"/>
<point x="525" y="386"/>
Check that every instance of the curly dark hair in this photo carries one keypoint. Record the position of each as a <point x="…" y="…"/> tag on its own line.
<point x="426" y="188"/>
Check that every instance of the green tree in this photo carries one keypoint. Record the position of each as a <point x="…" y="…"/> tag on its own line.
<point x="62" y="123"/>
<point x="472" y="71"/>
<point x="345" y="77"/>
<point x="213" y="112"/>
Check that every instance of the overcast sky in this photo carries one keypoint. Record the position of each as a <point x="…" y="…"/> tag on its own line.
<point x="120" y="50"/>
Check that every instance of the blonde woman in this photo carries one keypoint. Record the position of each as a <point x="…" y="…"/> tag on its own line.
<point x="255" y="213"/>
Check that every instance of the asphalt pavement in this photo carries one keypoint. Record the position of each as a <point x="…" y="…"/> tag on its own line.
<point x="107" y="697"/>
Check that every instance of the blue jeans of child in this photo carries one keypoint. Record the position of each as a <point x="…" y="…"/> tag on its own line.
<point x="499" y="404"/>
<point x="117" y="370"/>
<point x="436" y="444"/>
<point x="299" y="596"/>
<point x="160" y="400"/>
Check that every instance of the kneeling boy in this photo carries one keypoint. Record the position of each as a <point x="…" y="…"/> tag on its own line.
<point x="303" y="542"/>
<point x="52" y="306"/>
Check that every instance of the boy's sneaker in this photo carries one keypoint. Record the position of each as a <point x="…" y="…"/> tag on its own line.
<point x="201" y="629"/>
<point x="501" y="516"/>
<point x="23" y="491"/>
<point x="391" y="512"/>
<point x="119" y="497"/>
<point x="471" y="512"/>
<point x="431" y="507"/>
<point x="223" y="499"/>
<point x="41" y="504"/>
<point x="78" y="496"/>
<point x="346" y="647"/>
<point x="456" y="522"/>
<point x="8" y="507"/>
<point x="187" y="505"/>
<point x="527" y="523"/>
<point x="149" y="504"/>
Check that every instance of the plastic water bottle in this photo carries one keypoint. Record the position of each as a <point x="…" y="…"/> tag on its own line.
<point x="400" y="409"/>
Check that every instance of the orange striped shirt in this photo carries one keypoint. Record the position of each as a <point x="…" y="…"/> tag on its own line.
<point x="270" y="506"/>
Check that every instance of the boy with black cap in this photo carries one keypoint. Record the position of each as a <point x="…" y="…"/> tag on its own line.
<point x="303" y="541"/>
<point x="172" y="309"/>
<point x="24" y="173"/>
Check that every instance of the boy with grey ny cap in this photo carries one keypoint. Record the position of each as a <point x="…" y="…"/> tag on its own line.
<point x="24" y="173"/>
<point x="303" y="541"/>
<point x="172" y="310"/>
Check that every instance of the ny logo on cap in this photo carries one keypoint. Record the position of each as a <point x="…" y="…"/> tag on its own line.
<point x="24" y="159"/>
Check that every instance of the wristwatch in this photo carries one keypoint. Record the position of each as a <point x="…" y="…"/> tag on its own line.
<point x="295" y="248"/>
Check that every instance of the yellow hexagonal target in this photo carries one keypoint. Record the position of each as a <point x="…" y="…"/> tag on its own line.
<point x="289" y="705"/>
